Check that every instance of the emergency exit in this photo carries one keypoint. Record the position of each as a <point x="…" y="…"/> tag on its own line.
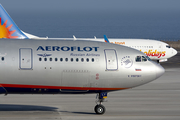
<point x="111" y="59"/>
<point x="25" y="58"/>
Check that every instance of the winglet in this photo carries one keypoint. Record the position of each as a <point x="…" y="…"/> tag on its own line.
<point x="106" y="39"/>
<point x="8" y="27"/>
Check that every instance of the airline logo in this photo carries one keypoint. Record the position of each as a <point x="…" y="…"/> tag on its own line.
<point x="126" y="62"/>
<point x="5" y="31"/>
<point x="66" y="48"/>
<point x="44" y="55"/>
<point x="155" y="53"/>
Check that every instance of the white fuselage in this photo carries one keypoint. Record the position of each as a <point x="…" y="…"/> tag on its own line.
<point x="156" y="50"/>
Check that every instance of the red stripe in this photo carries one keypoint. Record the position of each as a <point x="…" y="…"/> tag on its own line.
<point x="58" y="87"/>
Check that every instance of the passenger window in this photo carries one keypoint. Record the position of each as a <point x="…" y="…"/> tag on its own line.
<point x="138" y="59"/>
<point x="50" y="59"/>
<point x="82" y="59"/>
<point x="66" y="59"/>
<point x="40" y="59"/>
<point x="61" y="59"/>
<point x="2" y="58"/>
<point x="56" y="59"/>
<point x="77" y="59"/>
<point x="144" y="59"/>
<point x="87" y="59"/>
<point x="92" y="59"/>
<point x="45" y="59"/>
<point x="71" y="59"/>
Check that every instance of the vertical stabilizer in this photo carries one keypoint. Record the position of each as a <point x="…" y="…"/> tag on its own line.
<point x="106" y="39"/>
<point x="8" y="28"/>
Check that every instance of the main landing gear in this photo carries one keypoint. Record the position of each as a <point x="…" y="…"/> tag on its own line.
<point x="99" y="108"/>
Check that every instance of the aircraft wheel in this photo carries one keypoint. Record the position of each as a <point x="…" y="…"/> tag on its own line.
<point x="99" y="109"/>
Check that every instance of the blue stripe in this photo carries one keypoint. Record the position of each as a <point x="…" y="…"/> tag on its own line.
<point x="12" y="90"/>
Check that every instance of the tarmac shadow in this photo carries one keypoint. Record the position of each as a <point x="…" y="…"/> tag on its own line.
<point x="12" y="107"/>
<point x="15" y="107"/>
<point x="86" y="113"/>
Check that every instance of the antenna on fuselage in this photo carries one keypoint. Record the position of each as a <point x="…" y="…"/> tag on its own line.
<point x="74" y="37"/>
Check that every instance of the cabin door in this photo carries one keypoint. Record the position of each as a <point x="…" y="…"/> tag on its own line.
<point x="25" y="58"/>
<point x="111" y="59"/>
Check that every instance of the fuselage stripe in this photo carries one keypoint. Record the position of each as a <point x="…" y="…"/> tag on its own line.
<point x="57" y="87"/>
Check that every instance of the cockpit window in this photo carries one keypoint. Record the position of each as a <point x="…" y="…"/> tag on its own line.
<point x="144" y="58"/>
<point x="138" y="59"/>
<point x="168" y="46"/>
<point x="148" y="58"/>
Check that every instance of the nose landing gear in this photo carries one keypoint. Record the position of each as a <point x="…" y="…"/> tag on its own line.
<point x="99" y="108"/>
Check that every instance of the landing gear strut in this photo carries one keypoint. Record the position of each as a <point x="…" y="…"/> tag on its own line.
<point x="99" y="108"/>
<point x="158" y="61"/>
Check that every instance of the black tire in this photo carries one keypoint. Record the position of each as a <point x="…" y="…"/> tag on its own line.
<point x="99" y="109"/>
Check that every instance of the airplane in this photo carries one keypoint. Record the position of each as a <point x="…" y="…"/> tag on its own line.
<point x="55" y="66"/>
<point x="50" y="66"/>
<point x="156" y="50"/>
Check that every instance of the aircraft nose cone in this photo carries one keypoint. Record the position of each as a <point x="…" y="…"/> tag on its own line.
<point x="159" y="70"/>
<point x="174" y="52"/>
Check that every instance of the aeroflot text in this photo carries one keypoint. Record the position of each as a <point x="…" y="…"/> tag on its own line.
<point x="66" y="48"/>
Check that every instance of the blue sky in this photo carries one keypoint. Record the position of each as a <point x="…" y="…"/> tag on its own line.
<point x="91" y="5"/>
<point x="87" y="18"/>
